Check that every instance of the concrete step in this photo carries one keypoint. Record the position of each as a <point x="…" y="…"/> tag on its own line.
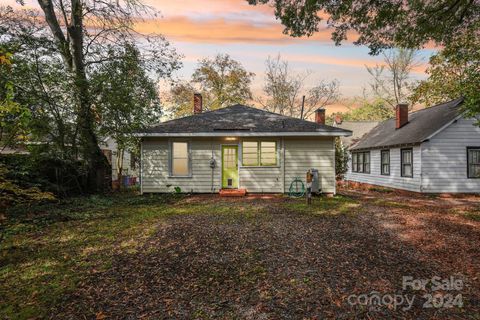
<point x="232" y="192"/>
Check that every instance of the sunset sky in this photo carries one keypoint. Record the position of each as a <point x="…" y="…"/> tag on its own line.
<point x="203" y="28"/>
<point x="250" y="34"/>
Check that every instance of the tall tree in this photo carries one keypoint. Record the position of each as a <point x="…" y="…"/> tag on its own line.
<point x="127" y="99"/>
<point x="179" y="99"/>
<point x="283" y="90"/>
<point x="379" y="24"/>
<point x="14" y="117"/>
<point x="384" y="24"/>
<point x="454" y="72"/>
<point x="391" y="82"/>
<point x="368" y="111"/>
<point x="82" y="32"/>
<point x="223" y="80"/>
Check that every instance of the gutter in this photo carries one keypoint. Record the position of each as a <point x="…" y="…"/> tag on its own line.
<point x="345" y="133"/>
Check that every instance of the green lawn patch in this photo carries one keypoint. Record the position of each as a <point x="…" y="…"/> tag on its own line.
<point x="47" y="249"/>
<point x="324" y="206"/>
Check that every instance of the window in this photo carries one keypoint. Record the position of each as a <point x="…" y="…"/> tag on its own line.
<point x="180" y="159"/>
<point x="361" y="162"/>
<point x="259" y="153"/>
<point x="250" y="153"/>
<point x="473" y="162"/>
<point x="406" y="162"/>
<point x="385" y="162"/>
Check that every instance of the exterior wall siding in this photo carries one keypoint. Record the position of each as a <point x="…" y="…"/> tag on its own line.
<point x="300" y="154"/>
<point x="304" y="154"/>
<point x="444" y="159"/>
<point x="394" y="180"/>
<point x="155" y="167"/>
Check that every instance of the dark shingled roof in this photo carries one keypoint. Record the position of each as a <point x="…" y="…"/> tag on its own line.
<point x="421" y="125"/>
<point x="240" y="118"/>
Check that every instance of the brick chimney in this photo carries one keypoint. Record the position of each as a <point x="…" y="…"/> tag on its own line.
<point x="401" y="114"/>
<point x="197" y="103"/>
<point x="320" y="116"/>
<point x="338" y="119"/>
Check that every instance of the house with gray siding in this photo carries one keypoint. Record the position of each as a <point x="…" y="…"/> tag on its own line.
<point x="433" y="150"/>
<point x="237" y="147"/>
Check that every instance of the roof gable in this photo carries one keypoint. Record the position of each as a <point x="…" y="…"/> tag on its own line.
<point x="241" y="120"/>
<point x="421" y="125"/>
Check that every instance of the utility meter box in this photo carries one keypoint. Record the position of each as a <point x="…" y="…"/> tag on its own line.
<point x="316" y="188"/>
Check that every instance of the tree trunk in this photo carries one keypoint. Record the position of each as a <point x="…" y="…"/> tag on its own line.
<point x="71" y="49"/>
<point x="120" y="154"/>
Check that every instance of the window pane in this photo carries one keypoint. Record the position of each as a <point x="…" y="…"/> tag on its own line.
<point x="180" y="150"/>
<point x="180" y="159"/>
<point x="250" y="153"/>
<point x="474" y="163"/>
<point x="385" y="156"/>
<point x="269" y="159"/>
<point x="474" y="171"/>
<point x="474" y="156"/>
<point x="407" y="170"/>
<point x="268" y="153"/>
<point x="385" y="169"/>
<point x="360" y="162"/>
<point x="407" y="156"/>
<point x="180" y="167"/>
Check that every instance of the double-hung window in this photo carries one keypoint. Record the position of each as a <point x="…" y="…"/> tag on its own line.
<point x="406" y="161"/>
<point x="473" y="162"/>
<point x="180" y="160"/>
<point x="385" y="162"/>
<point x="259" y="153"/>
<point x="361" y="162"/>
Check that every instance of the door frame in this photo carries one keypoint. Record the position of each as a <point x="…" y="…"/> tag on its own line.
<point x="238" y="162"/>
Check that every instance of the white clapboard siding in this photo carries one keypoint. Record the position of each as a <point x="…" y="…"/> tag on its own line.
<point x="444" y="159"/>
<point x="155" y="170"/>
<point x="304" y="154"/>
<point x="394" y="180"/>
<point x="300" y="154"/>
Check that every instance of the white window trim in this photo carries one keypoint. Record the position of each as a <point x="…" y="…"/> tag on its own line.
<point x="277" y="144"/>
<point x="170" y="158"/>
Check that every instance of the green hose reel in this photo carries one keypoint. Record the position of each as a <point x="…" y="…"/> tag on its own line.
<point x="297" y="188"/>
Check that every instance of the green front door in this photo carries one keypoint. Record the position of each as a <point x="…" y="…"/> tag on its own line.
<point x="229" y="166"/>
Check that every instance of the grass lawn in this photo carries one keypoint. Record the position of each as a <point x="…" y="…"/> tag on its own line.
<point x="168" y="256"/>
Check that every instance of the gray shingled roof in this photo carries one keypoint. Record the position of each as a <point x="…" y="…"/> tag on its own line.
<point x="358" y="128"/>
<point x="421" y="125"/>
<point x="240" y="120"/>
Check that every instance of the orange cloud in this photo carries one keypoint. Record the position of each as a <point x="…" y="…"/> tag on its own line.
<point x="223" y="31"/>
<point x="346" y="62"/>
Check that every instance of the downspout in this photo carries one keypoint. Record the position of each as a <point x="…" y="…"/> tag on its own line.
<point x="211" y="166"/>
<point x="335" y="167"/>
<point x="141" y="166"/>
<point x="283" y="164"/>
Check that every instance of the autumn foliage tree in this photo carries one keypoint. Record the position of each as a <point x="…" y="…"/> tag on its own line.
<point x="454" y="72"/>
<point x="387" y="24"/>
<point x="221" y="80"/>
<point x="62" y="46"/>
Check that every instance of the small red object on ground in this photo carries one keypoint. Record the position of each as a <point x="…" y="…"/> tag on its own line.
<point x="232" y="192"/>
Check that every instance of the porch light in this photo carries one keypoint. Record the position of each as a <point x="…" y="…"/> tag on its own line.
<point x="230" y="138"/>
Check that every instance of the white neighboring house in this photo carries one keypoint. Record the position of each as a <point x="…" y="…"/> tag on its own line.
<point x="433" y="150"/>
<point x="109" y="149"/>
